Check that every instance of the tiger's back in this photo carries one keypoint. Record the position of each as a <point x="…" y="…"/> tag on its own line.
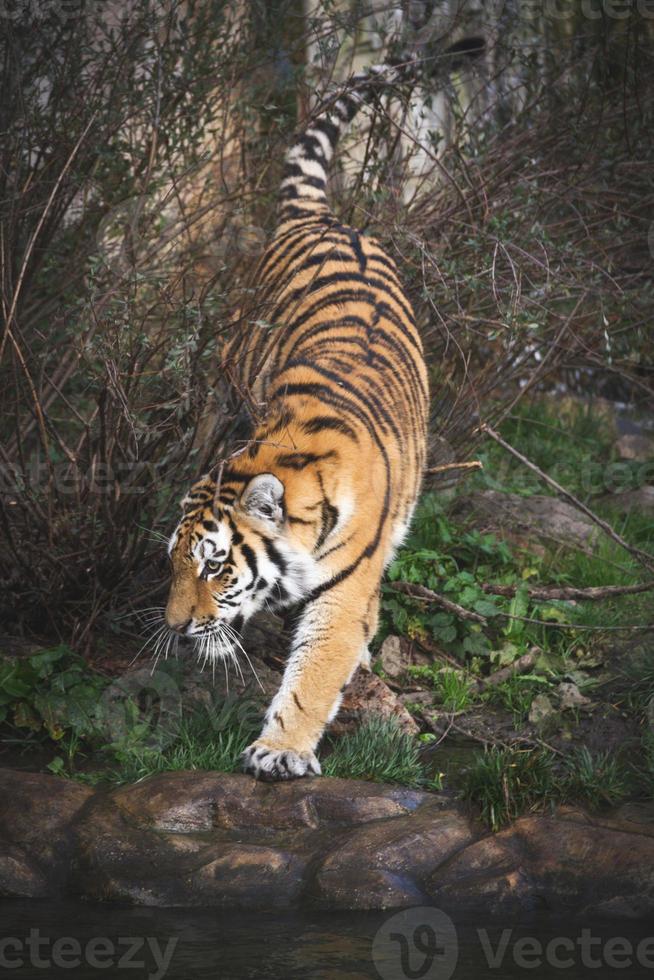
<point x="335" y="331"/>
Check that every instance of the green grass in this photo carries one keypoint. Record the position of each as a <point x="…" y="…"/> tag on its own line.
<point x="505" y="783"/>
<point x="517" y="693"/>
<point x="639" y="675"/>
<point x="647" y="775"/>
<point x="380" y="752"/>
<point x="594" y="779"/>
<point x="447" y="555"/>
<point x="575" y="451"/>
<point x="207" y="739"/>
<point x="453" y="688"/>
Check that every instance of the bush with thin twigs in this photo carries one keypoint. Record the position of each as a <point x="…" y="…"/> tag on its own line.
<point x="140" y="156"/>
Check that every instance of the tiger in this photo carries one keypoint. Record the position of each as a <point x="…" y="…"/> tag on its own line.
<point x="310" y="512"/>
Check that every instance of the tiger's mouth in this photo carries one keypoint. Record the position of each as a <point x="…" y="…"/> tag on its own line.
<point x="221" y="642"/>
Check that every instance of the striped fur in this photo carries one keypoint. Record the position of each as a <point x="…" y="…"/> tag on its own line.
<point x="312" y="511"/>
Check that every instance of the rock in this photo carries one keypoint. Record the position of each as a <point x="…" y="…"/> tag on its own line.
<point x="423" y="698"/>
<point x="570" y="696"/>
<point x="565" y="861"/>
<point x="36" y="815"/>
<point x="543" y="516"/>
<point x="541" y="709"/>
<point x="199" y="802"/>
<point x="491" y="873"/>
<point x="366" y="694"/>
<point x="634" y="445"/>
<point x="397" y="856"/>
<point x="224" y="841"/>
<point x="393" y="657"/>
<point x="641" y="499"/>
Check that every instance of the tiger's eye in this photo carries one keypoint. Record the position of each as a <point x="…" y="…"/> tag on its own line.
<point x="213" y="565"/>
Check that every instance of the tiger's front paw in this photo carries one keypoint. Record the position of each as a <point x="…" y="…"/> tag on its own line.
<point x="270" y="765"/>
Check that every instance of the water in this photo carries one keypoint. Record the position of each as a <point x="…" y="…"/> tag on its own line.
<point x="88" y="942"/>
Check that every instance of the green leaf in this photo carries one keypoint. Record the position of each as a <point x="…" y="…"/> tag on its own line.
<point x="16" y="688"/>
<point x="518" y="607"/>
<point x="446" y="635"/>
<point x="476" y="644"/>
<point x="57" y="767"/>
<point x="485" y="607"/>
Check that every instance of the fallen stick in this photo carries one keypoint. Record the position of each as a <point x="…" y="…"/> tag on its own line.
<point x="487" y="739"/>
<point x="446" y="467"/>
<point x="643" y="557"/>
<point x="519" y="666"/>
<point x="569" y="592"/>
<point x="426" y="595"/>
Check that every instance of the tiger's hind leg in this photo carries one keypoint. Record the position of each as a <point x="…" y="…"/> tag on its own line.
<point x="325" y="653"/>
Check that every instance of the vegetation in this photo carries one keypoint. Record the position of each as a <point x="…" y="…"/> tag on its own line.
<point x="507" y="783"/>
<point x="52" y="692"/>
<point x="130" y="222"/>
<point x="379" y="751"/>
<point x="595" y="778"/>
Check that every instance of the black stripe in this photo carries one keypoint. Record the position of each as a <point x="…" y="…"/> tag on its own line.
<point x="355" y="238"/>
<point x="311" y="238"/>
<point x="292" y="519"/>
<point x="292" y="211"/>
<point x="337" y="298"/>
<point x="250" y="558"/>
<point x="319" y="423"/>
<point x="312" y="149"/>
<point x="298" y="461"/>
<point x="373" y="404"/>
<point x="329" y="521"/>
<point x="274" y="555"/>
<point x="373" y="282"/>
<point x="326" y="394"/>
<point x="330" y="129"/>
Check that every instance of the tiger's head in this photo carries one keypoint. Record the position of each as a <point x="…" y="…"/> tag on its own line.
<point x="230" y="557"/>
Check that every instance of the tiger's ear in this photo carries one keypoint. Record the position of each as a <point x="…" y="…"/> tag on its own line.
<point x="200" y="494"/>
<point x="263" y="498"/>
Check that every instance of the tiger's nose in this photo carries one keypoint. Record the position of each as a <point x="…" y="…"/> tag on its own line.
<point x="178" y="625"/>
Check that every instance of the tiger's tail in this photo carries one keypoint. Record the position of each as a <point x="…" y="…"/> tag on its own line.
<point x="304" y="181"/>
